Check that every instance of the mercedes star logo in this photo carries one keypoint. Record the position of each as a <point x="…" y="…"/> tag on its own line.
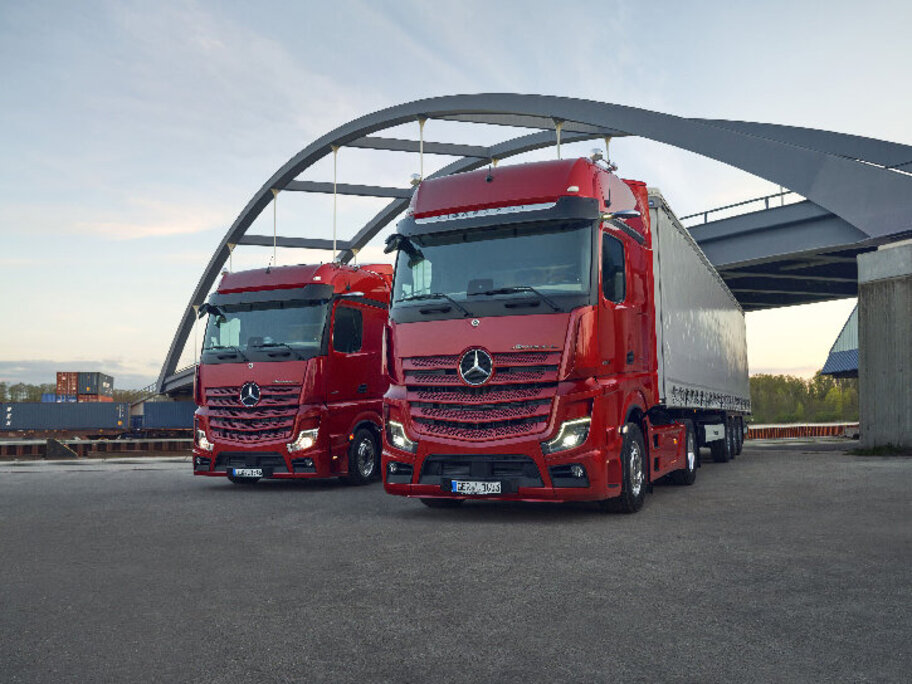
<point x="250" y="394"/>
<point x="476" y="367"/>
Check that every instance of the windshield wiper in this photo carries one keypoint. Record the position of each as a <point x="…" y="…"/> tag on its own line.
<point x="267" y="345"/>
<point x="231" y="347"/>
<point x="520" y="288"/>
<point x="436" y="295"/>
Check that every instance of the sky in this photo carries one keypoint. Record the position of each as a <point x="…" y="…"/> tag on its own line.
<point x="133" y="133"/>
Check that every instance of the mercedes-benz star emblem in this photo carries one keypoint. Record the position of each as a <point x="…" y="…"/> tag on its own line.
<point x="476" y="367"/>
<point x="250" y="394"/>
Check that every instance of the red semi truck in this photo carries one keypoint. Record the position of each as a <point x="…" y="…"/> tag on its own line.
<point x="289" y="383"/>
<point x="555" y="334"/>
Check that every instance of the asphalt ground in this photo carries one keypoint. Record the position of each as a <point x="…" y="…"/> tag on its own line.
<point x="791" y="563"/>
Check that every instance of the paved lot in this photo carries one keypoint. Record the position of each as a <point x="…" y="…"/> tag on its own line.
<point x="790" y="564"/>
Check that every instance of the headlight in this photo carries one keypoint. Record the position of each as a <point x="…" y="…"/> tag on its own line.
<point x="395" y="433"/>
<point x="202" y="441"/>
<point x="305" y="440"/>
<point x="572" y="434"/>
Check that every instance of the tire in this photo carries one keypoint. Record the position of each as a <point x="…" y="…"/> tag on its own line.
<point x="244" y="480"/>
<point x="739" y="434"/>
<point x="688" y="474"/>
<point x="721" y="448"/>
<point x="732" y="438"/>
<point x="363" y="458"/>
<point x="635" y="464"/>
<point x="442" y="503"/>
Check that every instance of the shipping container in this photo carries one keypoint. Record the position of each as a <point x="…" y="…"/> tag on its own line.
<point x="96" y="383"/>
<point x="168" y="414"/>
<point x="86" y="398"/>
<point x="67" y="399"/>
<point x="67" y="384"/>
<point x="48" y="398"/>
<point x="67" y="416"/>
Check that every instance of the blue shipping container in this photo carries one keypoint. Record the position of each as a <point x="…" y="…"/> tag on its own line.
<point x="66" y="399"/>
<point x="65" y="416"/>
<point x="48" y="398"/>
<point x="168" y="414"/>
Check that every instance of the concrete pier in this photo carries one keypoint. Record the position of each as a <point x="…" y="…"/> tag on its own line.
<point x="885" y="345"/>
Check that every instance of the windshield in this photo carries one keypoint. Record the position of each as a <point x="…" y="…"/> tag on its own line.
<point x="264" y="331"/>
<point x="472" y="269"/>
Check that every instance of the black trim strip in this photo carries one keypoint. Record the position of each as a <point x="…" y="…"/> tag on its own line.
<point x="620" y="225"/>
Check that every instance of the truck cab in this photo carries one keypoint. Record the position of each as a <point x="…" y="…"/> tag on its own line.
<point x="289" y="383"/>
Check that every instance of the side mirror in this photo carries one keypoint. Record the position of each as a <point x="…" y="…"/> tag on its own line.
<point x="622" y="214"/>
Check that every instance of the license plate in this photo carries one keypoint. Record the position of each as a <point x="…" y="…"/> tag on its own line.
<point x="247" y="472"/>
<point x="464" y="487"/>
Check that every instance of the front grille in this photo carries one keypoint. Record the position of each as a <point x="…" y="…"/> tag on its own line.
<point x="272" y="419"/>
<point x="518" y="470"/>
<point x="516" y="401"/>
<point x="270" y="462"/>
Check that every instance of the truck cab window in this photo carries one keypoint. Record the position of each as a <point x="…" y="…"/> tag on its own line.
<point x="347" y="330"/>
<point x="614" y="284"/>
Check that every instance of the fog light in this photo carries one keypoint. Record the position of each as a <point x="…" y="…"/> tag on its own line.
<point x="577" y="470"/>
<point x="393" y="468"/>
<point x="308" y="463"/>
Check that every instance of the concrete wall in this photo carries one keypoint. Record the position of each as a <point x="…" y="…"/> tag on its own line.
<point x="885" y="346"/>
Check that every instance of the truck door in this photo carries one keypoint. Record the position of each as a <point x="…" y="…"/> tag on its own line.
<point x="352" y="373"/>
<point x="623" y="324"/>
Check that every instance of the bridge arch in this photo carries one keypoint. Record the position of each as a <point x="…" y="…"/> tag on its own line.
<point x="865" y="183"/>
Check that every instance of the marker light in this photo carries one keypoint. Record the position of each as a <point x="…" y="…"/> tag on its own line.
<point x="202" y="441"/>
<point x="572" y="434"/>
<point x="395" y="433"/>
<point x="305" y="440"/>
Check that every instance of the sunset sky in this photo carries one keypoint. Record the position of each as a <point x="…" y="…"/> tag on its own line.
<point x="133" y="133"/>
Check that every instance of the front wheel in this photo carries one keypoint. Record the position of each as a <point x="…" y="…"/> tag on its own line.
<point x="363" y="457"/>
<point x="688" y="474"/>
<point x="634" y="475"/>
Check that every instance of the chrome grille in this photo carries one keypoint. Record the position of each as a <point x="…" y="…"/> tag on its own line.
<point x="272" y="419"/>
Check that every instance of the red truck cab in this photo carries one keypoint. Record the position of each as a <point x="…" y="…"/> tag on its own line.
<point x="522" y="346"/>
<point x="289" y="383"/>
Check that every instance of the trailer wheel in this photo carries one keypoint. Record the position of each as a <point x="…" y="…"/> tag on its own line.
<point x="363" y="458"/>
<point x="721" y="448"/>
<point x="739" y="434"/>
<point x="442" y="503"/>
<point x="730" y="436"/>
<point x="688" y="474"/>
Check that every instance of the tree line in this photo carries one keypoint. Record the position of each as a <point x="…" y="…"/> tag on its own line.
<point x="787" y="399"/>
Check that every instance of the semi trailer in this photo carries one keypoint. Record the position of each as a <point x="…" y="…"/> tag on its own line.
<point x="289" y="383"/>
<point x="555" y="334"/>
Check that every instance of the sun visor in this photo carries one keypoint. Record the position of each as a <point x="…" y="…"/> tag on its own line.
<point x="563" y="209"/>
<point x="312" y="292"/>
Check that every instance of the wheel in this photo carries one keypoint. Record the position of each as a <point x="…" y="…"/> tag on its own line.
<point x="244" y="480"/>
<point x="363" y="458"/>
<point x="739" y="433"/>
<point x="721" y="448"/>
<point x="732" y="438"/>
<point x="688" y="474"/>
<point x="633" y="464"/>
<point x="442" y="503"/>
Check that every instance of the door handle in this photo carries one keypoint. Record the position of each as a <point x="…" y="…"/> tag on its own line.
<point x="362" y="388"/>
<point x="630" y="357"/>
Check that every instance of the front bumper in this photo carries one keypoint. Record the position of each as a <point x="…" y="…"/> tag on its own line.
<point x="275" y="461"/>
<point x="521" y="469"/>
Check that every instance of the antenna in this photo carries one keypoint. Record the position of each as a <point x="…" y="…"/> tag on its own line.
<point x="275" y="204"/>
<point x="335" y="150"/>
<point x="558" y="125"/>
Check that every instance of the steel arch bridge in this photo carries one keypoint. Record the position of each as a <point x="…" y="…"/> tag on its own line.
<point x="858" y="191"/>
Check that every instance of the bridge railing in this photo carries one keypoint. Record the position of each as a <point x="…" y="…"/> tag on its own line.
<point x="765" y="200"/>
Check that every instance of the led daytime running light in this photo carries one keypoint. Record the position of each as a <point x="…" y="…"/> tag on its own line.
<point x="572" y="433"/>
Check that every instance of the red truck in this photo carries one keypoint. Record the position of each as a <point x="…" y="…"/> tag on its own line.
<point x="555" y="334"/>
<point x="289" y="383"/>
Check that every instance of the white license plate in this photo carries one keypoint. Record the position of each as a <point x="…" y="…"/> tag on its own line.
<point x="247" y="472"/>
<point x="464" y="487"/>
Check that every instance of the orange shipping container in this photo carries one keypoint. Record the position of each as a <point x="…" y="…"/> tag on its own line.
<point x="67" y="384"/>
<point x="94" y="398"/>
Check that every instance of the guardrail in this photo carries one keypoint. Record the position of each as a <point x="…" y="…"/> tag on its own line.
<point x="849" y="430"/>
<point x="86" y="448"/>
<point x="765" y="199"/>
